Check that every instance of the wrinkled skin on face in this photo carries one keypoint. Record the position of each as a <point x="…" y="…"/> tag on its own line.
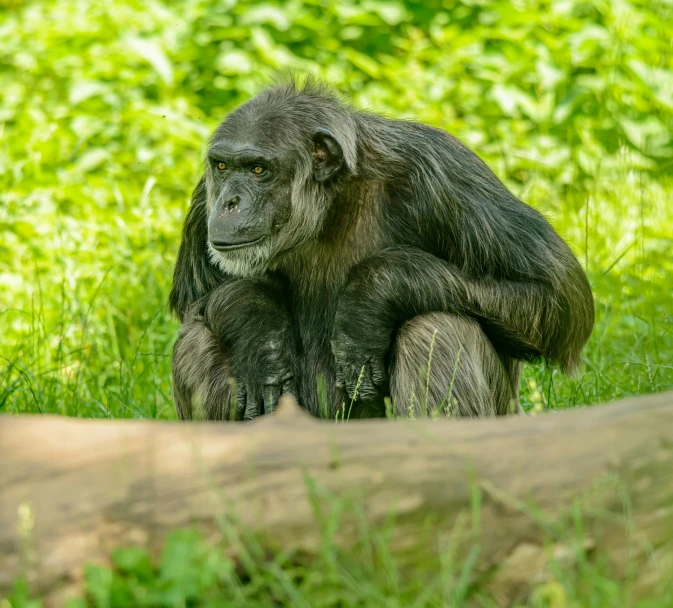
<point x="248" y="203"/>
<point x="244" y="179"/>
<point x="251" y="179"/>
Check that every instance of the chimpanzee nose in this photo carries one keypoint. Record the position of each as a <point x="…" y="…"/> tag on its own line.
<point x="233" y="202"/>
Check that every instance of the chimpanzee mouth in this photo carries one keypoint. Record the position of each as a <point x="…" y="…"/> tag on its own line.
<point x="220" y="246"/>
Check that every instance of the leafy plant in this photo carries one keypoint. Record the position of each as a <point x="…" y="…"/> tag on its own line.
<point x="107" y="107"/>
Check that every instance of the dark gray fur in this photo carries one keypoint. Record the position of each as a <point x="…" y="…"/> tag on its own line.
<point x="388" y="249"/>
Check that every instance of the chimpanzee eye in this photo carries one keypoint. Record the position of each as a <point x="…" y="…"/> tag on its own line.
<point x="257" y="170"/>
<point x="221" y="166"/>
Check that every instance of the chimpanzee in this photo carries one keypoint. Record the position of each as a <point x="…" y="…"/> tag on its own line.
<point x="345" y="257"/>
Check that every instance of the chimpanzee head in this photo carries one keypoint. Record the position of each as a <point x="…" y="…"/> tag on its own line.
<point x="272" y="169"/>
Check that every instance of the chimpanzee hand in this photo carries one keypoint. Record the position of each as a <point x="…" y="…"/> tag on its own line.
<point x="361" y="339"/>
<point x="251" y="321"/>
<point x="264" y="373"/>
<point x="361" y="368"/>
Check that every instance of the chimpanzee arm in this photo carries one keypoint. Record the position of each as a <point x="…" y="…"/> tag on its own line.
<point x="231" y="325"/>
<point x="526" y="286"/>
<point x="240" y="331"/>
<point x="251" y="321"/>
<point x="523" y="319"/>
<point x="469" y="247"/>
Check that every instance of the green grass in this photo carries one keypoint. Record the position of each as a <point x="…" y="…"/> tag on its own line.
<point x="87" y="339"/>
<point x="104" y="114"/>
<point x="107" y="108"/>
<point x="232" y="568"/>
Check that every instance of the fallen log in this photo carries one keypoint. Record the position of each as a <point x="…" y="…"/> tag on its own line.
<point x="72" y="489"/>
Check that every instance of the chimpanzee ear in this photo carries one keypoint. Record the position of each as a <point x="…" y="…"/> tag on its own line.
<point x="328" y="155"/>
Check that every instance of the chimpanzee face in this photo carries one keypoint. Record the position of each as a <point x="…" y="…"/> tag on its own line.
<point x="244" y="210"/>
<point x="262" y="188"/>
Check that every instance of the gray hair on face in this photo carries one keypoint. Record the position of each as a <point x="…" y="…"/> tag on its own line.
<point x="310" y="108"/>
<point x="245" y="262"/>
<point x="309" y="204"/>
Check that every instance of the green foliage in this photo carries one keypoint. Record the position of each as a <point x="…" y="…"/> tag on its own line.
<point x="106" y="108"/>
<point x="233" y="570"/>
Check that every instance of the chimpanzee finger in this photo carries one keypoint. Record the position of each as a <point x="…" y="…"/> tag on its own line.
<point x="241" y="399"/>
<point x="378" y="371"/>
<point x="289" y="386"/>
<point x="272" y="393"/>
<point x="252" y="409"/>
<point x="364" y="388"/>
<point x="361" y="381"/>
<point x="349" y="376"/>
<point x="340" y="375"/>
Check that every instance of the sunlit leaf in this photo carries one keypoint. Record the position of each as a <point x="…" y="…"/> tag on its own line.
<point x="391" y="12"/>
<point x="84" y="90"/>
<point x="366" y="64"/>
<point x="649" y="136"/>
<point x="659" y="80"/>
<point x="152" y="52"/>
<point x="235" y="62"/>
<point x="92" y="159"/>
<point x="266" y="13"/>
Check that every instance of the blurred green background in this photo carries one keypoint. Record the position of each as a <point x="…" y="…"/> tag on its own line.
<point x="105" y="108"/>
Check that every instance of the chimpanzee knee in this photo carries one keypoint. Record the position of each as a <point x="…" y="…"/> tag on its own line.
<point x="444" y="364"/>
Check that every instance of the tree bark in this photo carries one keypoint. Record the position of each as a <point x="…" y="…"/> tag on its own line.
<point x="72" y="489"/>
